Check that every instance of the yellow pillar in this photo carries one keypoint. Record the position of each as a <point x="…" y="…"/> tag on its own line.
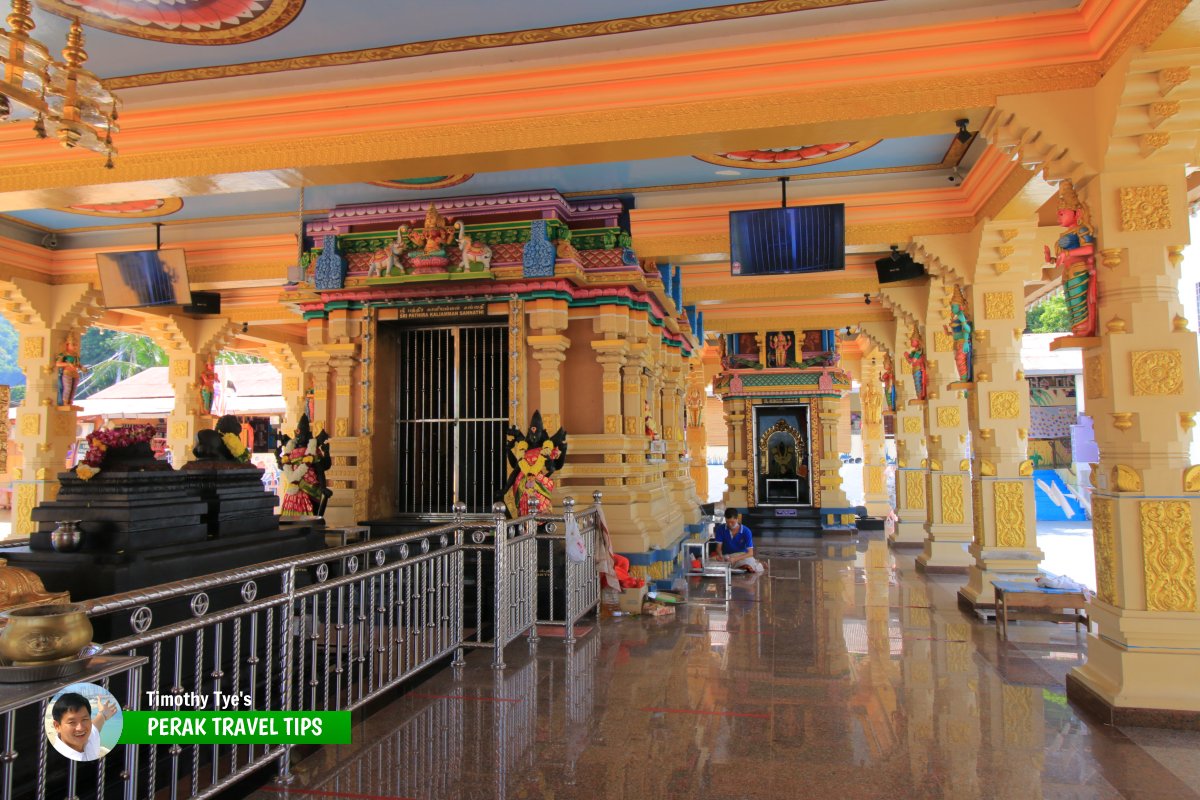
<point x="548" y="345"/>
<point x="836" y="514"/>
<point x="697" y="437"/>
<point x="874" y="457"/>
<point x="345" y="477"/>
<point x="1142" y="391"/>
<point x="1004" y="546"/>
<point x="737" y="460"/>
<point x="911" y="466"/>
<point x="681" y="487"/>
<point x="948" y="524"/>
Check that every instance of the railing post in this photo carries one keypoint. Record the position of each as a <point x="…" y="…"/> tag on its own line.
<point x="460" y="510"/>
<point x="569" y="570"/>
<point x="285" y="669"/>
<point x="500" y="584"/>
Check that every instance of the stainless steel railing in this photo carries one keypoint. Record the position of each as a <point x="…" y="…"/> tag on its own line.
<point x="500" y="592"/>
<point x="570" y="588"/>
<point x="326" y="631"/>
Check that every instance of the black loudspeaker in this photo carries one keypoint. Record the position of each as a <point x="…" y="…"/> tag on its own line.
<point x="898" y="267"/>
<point x="204" y="303"/>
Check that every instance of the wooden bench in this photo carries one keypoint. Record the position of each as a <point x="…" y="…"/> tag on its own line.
<point x="1030" y="601"/>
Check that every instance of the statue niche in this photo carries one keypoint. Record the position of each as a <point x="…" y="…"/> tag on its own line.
<point x="782" y="463"/>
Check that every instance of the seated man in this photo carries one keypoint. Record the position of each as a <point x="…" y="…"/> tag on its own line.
<point x="735" y="544"/>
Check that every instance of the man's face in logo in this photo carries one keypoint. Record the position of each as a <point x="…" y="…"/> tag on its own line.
<point x="75" y="727"/>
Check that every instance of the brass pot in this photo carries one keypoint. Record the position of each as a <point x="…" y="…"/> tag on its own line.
<point x="40" y="634"/>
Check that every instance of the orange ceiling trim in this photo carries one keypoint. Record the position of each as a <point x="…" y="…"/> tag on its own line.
<point x="1028" y="41"/>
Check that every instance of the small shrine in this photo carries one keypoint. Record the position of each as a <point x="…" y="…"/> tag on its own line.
<point x="780" y="391"/>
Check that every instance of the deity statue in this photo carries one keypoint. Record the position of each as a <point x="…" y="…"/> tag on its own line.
<point x="208" y="387"/>
<point x="783" y="458"/>
<point x="888" y="377"/>
<point x="723" y="352"/>
<point x="70" y="368"/>
<point x="222" y="444"/>
<point x="651" y="429"/>
<point x="476" y="256"/>
<point x="916" y="359"/>
<point x="1074" y="252"/>
<point x="428" y="242"/>
<point x="960" y="328"/>
<point x="304" y="460"/>
<point x="695" y="401"/>
<point x="532" y="458"/>
<point x="310" y="402"/>
<point x="780" y="343"/>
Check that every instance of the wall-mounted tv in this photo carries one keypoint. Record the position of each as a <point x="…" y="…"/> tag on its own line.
<point x="143" y="278"/>
<point x="783" y="241"/>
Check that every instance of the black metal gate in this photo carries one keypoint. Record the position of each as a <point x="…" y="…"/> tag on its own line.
<point x="451" y="412"/>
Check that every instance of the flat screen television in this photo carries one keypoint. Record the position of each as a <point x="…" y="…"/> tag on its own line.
<point x="143" y="278"/>
<point x="783" y="241"/>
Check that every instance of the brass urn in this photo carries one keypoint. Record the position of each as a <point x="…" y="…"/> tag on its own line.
<point x="41" y="634"/>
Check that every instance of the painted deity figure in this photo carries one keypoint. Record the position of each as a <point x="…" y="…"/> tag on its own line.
<point x="888" y="377"/>
<point x="304" y="460"/>
<point x="1075" y="253"/>
<point x="533" y="457"/>
<point x="915" y="356"/>
<point x="208" y="387"/>
<point x="960" y="328"/>
<point x="70" y="369"/>
<point x="780" y="343"/>
<point x="651" y="429"/>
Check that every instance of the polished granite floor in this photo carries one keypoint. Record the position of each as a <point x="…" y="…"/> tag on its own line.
<point x="845" y="674"/>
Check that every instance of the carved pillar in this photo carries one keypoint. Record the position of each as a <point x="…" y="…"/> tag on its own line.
<point x="188" y="415"/>
<point x="346" y="477"/>
<point x="697" y="437"/>
<point x="1005" y="522"/>
<point x="836" y="513"/>
<point x="1142" y="391"/>
<point x="679" y="482"/>
<point x="44" y="430"/>
<point x="948" y="523"/>
<point x="911" y="467"/>
<point x="549" y="352"/>
<point x="874" y="460"/>
<point x="737" y="460"/>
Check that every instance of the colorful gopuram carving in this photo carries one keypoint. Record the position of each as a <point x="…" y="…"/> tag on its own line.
<point x="533" y="457"/>
<point x="1074" y="253"/>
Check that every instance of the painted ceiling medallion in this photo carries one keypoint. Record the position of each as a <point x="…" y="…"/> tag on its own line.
<point x="431" y="182"/>
<point x="182" y="21"/>
<point x="129" y="208"/>
<point x="789" y="157"/>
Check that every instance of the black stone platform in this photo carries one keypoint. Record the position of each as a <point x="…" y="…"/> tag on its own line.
<point x="797" y="522"/>
<point x="234" y="497"/>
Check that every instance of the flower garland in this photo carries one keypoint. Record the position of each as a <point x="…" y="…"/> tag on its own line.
<point x="101" y="441"/>
<point x="236" y="447"/>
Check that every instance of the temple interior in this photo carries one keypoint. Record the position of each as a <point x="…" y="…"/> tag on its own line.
<point x="642" y="400"/>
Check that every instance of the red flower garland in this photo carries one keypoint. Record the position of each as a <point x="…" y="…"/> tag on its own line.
<point x="101" y="441"/>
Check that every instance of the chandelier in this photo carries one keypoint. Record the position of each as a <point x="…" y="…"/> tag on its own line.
<point x="62" y="98"/>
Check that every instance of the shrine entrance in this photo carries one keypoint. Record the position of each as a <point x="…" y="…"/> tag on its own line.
<point x="782" y="455"/>
<point x="450" y="417"/>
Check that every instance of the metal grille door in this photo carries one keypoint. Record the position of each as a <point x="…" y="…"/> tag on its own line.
<point x="450" y="417"/>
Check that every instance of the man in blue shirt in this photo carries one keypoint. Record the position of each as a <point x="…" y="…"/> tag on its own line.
<point x="735" y="543"/>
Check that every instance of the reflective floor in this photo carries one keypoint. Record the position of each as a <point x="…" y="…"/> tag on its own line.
<point x="842" y="673"/>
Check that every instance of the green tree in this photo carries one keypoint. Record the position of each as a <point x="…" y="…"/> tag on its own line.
<point x="1049" y="316"/>
<point x="113" y="356"/>
<point x="10" y="370"/>
<point x="236" y="357"/>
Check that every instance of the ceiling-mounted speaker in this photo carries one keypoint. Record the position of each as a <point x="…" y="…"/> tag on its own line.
<point x="898" y="267"/>
<point x="204" y="303"/>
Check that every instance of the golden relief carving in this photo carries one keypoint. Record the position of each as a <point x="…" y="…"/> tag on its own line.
<point x="1168" y="555"/>
<point x="1003" y="405"/>
<point x="874" y="479"/>
<point x="949" y="417"/>
<point x="631" y="426"/>
<point x="179" y="430"/>
<point x="341" y="390"/>
<point x="1093" y="377"/>
<point x="181" y="367"/>
<point x="912" y="424"/>
<point x="612" y="423"/>
<point x="1191" y="479"/>
<point x="611" y="386"/>
<point x="23" y="505"/>
<point x="1122" y="420"/>
<point x="341" y="427"/>
<point x="914" y="489"/>
<point x="1106" y="549"/>
<point x="291" y="384"/>
<point x="1145" y="208"/>
<point x="953" y="509"/>
<point x="1126" y="479"/>
<point x="1172" y="77"/>
<point x="998" y="305"/>
<point x="341" y="461"/>
<point x="977" y="511"/>
<point x="1157" y="372"/>
<point x="32" y="347"/>
<point x="612" y="458"/>
<point x="942" y="342"/>
<point x="31" y="424"/>
<point x="987" y="468"/>
<point x="1009" y="498"/>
